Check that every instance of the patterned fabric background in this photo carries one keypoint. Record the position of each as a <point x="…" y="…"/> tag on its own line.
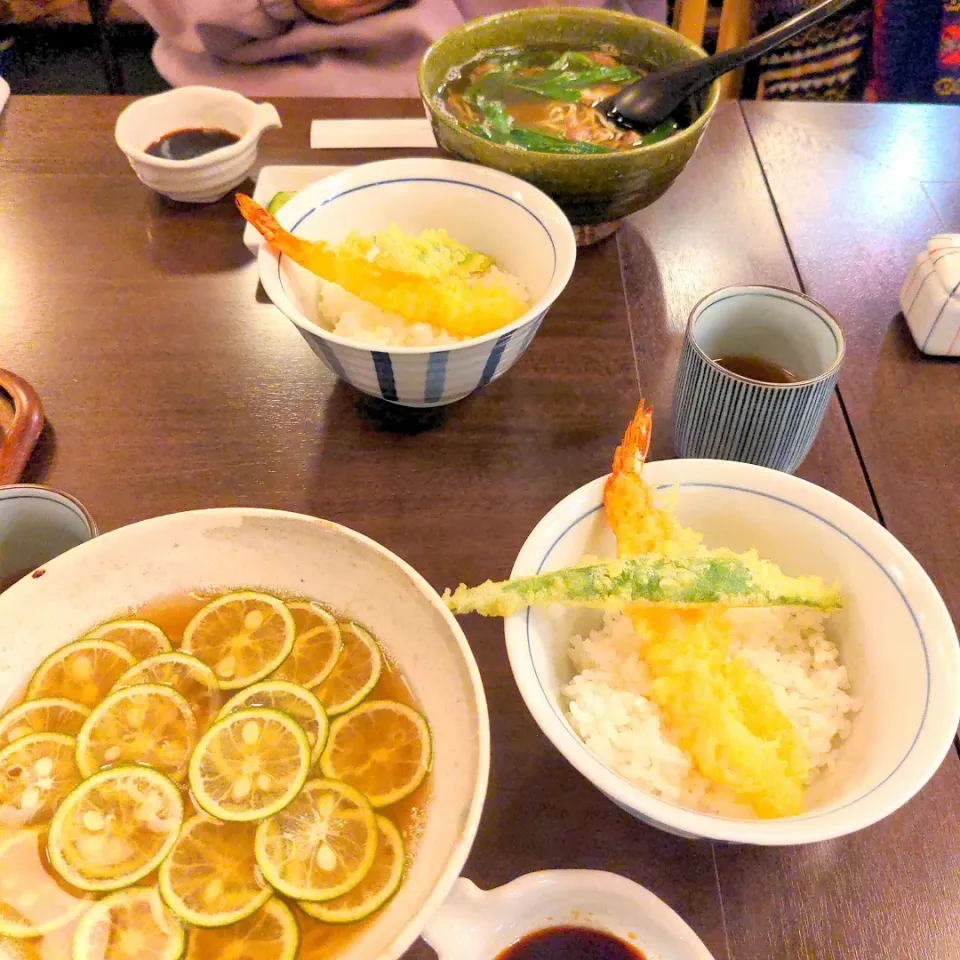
<point x="827" y="62"/>
<point x="23" y="11"/>
<point x="915" y="51"/>
<point x="946" y="87"/>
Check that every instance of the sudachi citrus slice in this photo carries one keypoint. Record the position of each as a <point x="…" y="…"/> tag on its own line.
<point x="382" y="748"/>
<point x="82" y="671"/>
<point x="14" y="949"/>
<point x="269" y="934"/>
<point x="374" y="890"/>
<point x="115" y="828"/>
<point x="33" y="900"/>
<point x="243" y="637"/>
<point x="355" y="673"/>
<point x="249" y="765"/>
<point x="36" y="773"/>
<point x="190" y="677"/>
<point x="316" y="647"/>
<point x="132" y="924"/>
<point x="141" y="637"/>
<point x="321" y="845"/>
<point x="290" y="699"/>
<point x="147" y="723"/>
<point x="48" y="715"/>
<point x="210" y="878"/>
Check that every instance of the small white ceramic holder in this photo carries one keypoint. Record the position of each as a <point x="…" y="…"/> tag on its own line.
<point x="476" y="924"/>
<point x="206" y="178"/>
<point x="930" y="299"/>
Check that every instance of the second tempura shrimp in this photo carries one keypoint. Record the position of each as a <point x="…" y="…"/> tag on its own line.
<point x="638" y="525"/>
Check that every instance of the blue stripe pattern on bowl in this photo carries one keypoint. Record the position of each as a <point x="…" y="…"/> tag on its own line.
<point x="427" y="379"/>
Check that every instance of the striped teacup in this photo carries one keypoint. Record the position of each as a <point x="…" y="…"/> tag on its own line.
<point x="722" y="415"/>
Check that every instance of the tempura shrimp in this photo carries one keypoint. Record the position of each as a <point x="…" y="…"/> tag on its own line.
<point x="449" y="302"/>
<point x="720" y="708"/>
<point x="638" y="525"/>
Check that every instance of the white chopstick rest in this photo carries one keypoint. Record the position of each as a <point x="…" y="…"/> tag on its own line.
<point x="930" y="299"/>
<point x="358" y="134"/>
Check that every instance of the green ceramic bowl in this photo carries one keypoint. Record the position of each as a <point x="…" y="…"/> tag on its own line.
<point x="593" y="188"/>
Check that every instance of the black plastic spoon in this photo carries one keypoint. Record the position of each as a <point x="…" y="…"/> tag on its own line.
<point x="651" y="99"/>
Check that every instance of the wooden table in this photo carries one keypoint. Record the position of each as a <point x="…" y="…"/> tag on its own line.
<point x="859" y="191"/>
<point x="171" y="383"/>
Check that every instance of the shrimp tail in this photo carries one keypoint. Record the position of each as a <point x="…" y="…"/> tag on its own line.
<point x="637" y="525"/>
<point x="307" y="254"/>
<point x="632" y="451"/>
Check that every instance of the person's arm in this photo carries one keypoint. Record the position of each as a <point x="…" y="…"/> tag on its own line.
<point x="220" y="27"/>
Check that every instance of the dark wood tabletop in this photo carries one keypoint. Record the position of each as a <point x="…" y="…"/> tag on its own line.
<point x="859" y="191"/>
<point x="170" y="383"/>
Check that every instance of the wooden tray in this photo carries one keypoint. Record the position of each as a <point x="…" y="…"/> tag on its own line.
<point x="21" y="420"/>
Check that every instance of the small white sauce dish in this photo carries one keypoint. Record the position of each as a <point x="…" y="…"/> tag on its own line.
<point x="209" y="177"/>
<point x="476" y="924"/>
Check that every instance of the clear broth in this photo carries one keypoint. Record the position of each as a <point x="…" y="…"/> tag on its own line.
<point x="318" y="941"/>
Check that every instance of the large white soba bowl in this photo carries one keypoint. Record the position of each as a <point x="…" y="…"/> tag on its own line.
<point x="894" y="634"/>
<point x="290" y="555"/>
<point x="525" y="232"/>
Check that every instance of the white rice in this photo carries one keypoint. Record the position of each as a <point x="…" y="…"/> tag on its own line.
<point x="354" y="319"/>
<point x="608" y="707"/>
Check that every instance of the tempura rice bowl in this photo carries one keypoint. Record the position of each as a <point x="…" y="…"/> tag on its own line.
<point x="524" y="231"/>
<point x="289" y="555"/>
<point x="894" y="635"/>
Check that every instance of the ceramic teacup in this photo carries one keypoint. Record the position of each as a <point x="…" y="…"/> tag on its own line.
<point x="36" y="525"/>
<point x="726" y="415"/>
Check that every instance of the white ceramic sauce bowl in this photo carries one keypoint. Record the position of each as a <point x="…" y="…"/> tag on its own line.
<point x="520" y="227"/>
<point x="895" y="636"/>
<point x="476" y="924"/>
<point x="202" y="179"/>
<point x="293" y="555"/>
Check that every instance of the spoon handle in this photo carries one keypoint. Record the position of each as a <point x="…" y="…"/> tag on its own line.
<point x="738" y="56"/>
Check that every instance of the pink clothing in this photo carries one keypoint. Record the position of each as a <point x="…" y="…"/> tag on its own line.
<point x="270" y="48"/>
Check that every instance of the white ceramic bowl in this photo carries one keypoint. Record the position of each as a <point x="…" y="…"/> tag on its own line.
<point x="476" y="924"/>
<point x="37" y="524"/>
<point x="520" y="227"/>
<point x="206" y="178"/>
<point x="298" y="555"/>
<point x="895" y="637"/>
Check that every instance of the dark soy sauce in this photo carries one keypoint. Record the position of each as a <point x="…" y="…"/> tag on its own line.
<point x="570" y="943"/>
<point x="756" y="368"/>
<point x="190" y="143"/>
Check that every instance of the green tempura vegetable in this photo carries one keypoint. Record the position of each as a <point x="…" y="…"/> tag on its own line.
<point x="709" y="577"/>
<point x="279" y="199"/>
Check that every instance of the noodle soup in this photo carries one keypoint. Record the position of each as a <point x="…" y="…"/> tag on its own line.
<point x="162" y="776"/>
<point x="544" y="99"/>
